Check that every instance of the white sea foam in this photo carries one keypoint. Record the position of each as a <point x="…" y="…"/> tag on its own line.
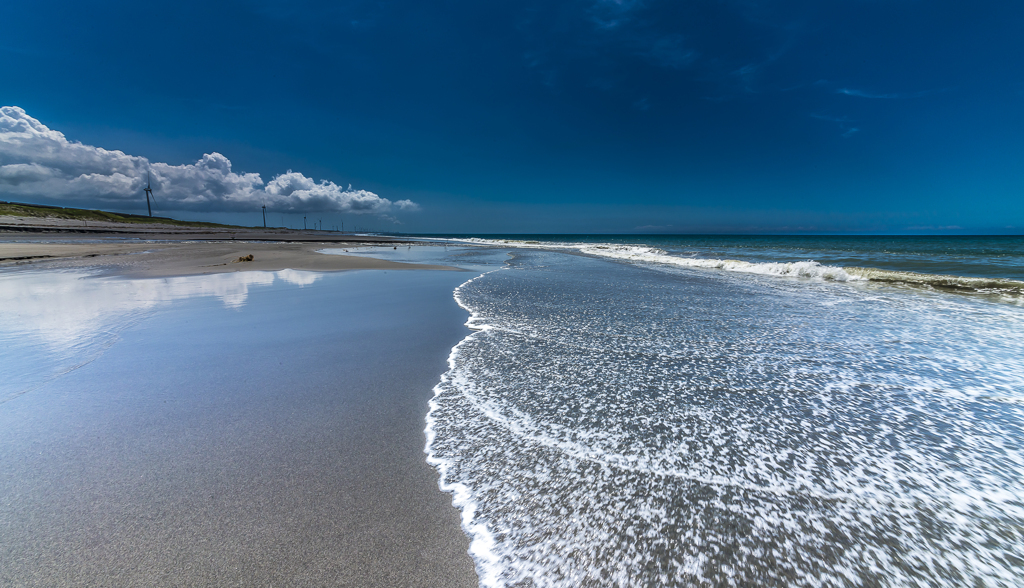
<point x="640" y="253"/>
<point x="613" y="428"/>
<point x="481" y="540"/>
<point x="799" y="269"/>
<point x="808" y="269"/>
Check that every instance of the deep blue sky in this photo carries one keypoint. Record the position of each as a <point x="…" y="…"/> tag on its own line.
<point x="577" y="116"/>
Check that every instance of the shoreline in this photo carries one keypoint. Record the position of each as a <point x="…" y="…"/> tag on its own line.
<point x="277" y="441"/>
<point x="130" y="257"/>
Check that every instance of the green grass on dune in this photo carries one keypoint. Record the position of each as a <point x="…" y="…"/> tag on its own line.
<point x="33" y="210"/>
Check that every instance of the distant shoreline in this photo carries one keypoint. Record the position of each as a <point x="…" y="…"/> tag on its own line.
<point x="86" y="222"/>
<point x="151" y="250"/>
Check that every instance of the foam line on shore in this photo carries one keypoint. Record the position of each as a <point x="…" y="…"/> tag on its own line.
<point x="482" y="542"/>
<point x="807" y="269"/>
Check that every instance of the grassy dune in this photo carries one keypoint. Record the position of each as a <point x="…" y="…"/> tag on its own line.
<point x="35" y="210"/>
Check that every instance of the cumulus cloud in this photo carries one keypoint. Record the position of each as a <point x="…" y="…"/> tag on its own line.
<point x="294" y="191"/>
<point x="37" y="162"/>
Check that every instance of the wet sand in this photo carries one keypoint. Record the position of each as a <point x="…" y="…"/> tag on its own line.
<point x="176" y="258"/>
<point x="276" y="443"/>
<point x="154" y="250"/>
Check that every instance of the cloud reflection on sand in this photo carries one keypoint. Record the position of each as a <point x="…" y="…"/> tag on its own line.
<point x="65" y="309"/>
<point x="52" y="323"/>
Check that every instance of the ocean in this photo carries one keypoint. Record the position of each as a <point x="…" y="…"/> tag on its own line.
<point x="736" y="411"/>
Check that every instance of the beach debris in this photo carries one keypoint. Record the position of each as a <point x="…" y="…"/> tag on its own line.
<point x="244" y="258"/>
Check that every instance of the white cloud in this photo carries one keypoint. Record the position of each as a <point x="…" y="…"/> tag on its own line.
<point x="40" y="163"/>
<point x="294" y="191"/>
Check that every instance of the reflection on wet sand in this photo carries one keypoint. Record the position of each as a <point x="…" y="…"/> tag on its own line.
<point x="61" y="308"/>
<point x="53" y="322"/>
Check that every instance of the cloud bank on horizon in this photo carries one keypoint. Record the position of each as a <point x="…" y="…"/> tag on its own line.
<point x="37" y="162"/>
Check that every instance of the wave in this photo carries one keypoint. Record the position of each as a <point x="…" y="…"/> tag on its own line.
<point x="942" y="282"/>
<point x="815" y="438"/>
<point x="482" y="541"/>
<point x="798" y="269"/>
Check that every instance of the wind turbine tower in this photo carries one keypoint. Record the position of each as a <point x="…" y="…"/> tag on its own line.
<point x="149" y="192"/>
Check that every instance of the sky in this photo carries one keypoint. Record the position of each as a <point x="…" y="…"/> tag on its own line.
<point x="589" y="116"/>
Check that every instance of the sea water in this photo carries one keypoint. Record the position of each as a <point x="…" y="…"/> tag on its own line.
<point x="735" y="412"/>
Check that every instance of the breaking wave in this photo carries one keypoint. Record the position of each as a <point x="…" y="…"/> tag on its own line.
<point x="808" y="269"/>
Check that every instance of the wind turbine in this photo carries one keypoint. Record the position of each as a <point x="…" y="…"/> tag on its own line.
<point x="149" y="192"/>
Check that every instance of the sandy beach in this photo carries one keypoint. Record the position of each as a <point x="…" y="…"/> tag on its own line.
<point x="175" y="258"/>
<point x="159" y="251"/>
<point x="273" y="437"/>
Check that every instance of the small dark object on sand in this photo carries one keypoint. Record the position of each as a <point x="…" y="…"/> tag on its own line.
<point x="243" y="258"/>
